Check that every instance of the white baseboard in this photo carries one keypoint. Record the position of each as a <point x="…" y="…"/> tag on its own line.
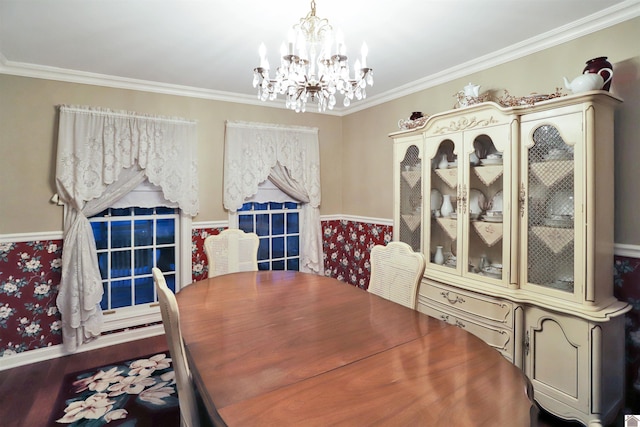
<point x="46" y="353"/>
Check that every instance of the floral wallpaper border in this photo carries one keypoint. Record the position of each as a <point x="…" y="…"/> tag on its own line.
<point x="30" y="276"/>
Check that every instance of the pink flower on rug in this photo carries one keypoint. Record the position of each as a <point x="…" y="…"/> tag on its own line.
<point x="99" y="381"/>
<point x="156" y="394"/>
<point x="93" y="407"/>
<point x="116" y="414"/>
<point x="146" y="367"/>
<point x="131" y="385"/>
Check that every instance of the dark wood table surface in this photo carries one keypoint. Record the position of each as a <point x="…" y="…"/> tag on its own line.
<point x="286" y="348"/>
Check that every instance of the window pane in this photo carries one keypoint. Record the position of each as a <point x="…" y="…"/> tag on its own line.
<point x="143" y="211"/>
<point x="277" y="224"/>
<point x="165" y="211"/>
<point x="143" y="261"/>
<point x="292" y="223"/>
<point x="260" y="206"/>
<point x="120" y="234"/>
<point x="263" y="249"/>
<point x="274" y="205"/>
<point x="262" y="225"/>
<point x="278" y="247"/>
<point x="143" y="233"/>
<point x="121" y="212"/>
<point x="262" y="266"/>
<point x="290" y="205"/>
<point x="144" y="290"/>
<point x="292" y="264"/>
<point x="246" y="207"/>
<point x="277" y="265"/>
<point x="292" y="246"/>
<point x="100" y="234"/>
<point x="104" y="304"/>
<point x="245" y="222"/>
<point x="166" y="231"/>
<point x="103" y="264"/>
<point x="120" y="293"/>
<point x="171" y="282"/>
<point x="166" y="259"/>
<point x="120" y="263"/>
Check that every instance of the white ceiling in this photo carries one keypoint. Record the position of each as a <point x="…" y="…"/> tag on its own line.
<point x="209" y="48"/>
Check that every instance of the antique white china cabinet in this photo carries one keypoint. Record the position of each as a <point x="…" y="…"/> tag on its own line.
<point x="513" y="209"/>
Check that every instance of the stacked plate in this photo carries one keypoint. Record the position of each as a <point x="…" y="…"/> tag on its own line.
<point x="493" y="270"/>
<point x="492" y="216"/>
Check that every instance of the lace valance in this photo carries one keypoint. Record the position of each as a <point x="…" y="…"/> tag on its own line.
<point x="253" y="149"/>
<point x="95" y="145"/>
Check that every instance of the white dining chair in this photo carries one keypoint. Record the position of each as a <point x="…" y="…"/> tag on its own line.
<point x="189" y="415"/>
<point x="396" y="271"/>
<point x="232" y="251"/>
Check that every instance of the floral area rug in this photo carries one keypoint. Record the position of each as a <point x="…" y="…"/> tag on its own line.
<point x="140" y="393"/>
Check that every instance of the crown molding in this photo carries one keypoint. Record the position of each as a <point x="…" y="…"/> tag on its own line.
<point x="614" y="15"/>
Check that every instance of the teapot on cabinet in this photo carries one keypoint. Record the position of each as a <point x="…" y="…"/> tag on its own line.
<point x="585" y="82"/>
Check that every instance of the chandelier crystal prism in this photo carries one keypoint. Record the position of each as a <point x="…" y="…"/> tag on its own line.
<point x="313" y="68"/>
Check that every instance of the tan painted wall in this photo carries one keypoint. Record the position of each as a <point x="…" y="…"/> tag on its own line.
<point x="28" y="120"/>
<point x="355" y="150"/>
<point x="367" y="151"/>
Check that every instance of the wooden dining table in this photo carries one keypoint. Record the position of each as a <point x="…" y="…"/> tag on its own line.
<point x="279" y="348"/>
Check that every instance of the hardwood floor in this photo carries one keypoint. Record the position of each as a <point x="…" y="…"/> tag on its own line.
<point x="28" y="392"/>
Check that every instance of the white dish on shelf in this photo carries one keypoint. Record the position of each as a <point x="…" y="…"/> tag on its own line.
<point x="492" y="218"/>
<point x="494" y="272"/>
<point x="436" y="199"/>
<point x="488" y="162"/>
<point x="496" y="201"/>
<point x="477" y="200"/>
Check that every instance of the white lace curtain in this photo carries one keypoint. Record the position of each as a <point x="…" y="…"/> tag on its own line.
<point x="289" y="156"/>
<point x="103" y="155"/>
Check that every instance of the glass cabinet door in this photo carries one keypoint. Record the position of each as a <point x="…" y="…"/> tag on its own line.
<point x="550" y="204"/>
<point x="469" y="203"/>
<point x="410" y="198"/>
<point x="485" y="203"/>
<point x="441" y="236"/>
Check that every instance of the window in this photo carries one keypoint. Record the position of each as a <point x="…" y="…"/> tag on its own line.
<point x="129" y="243"/>
<point x="277" y="226"/>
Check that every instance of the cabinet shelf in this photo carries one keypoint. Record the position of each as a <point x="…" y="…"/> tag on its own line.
<point x="412" y="177"/>
<point x="555" y="238"/>
<point x="488" y="174"/>
<point x="489" y="232"/>
<point x="551" y="172"/>
<point x="449" y="176"/>
<point x="450" y="226"/>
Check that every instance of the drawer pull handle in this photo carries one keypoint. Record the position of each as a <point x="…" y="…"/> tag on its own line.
<point x="460" y="325"/>
<point x="444" y="317"/>
<point x="457" y="299"/>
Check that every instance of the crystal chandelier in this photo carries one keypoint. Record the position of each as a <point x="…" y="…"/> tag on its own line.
<point x="313" y="68"/>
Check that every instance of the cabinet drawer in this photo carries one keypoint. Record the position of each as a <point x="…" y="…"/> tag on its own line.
<point x="487" y="308"/>
<point x="497" y="337"/>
